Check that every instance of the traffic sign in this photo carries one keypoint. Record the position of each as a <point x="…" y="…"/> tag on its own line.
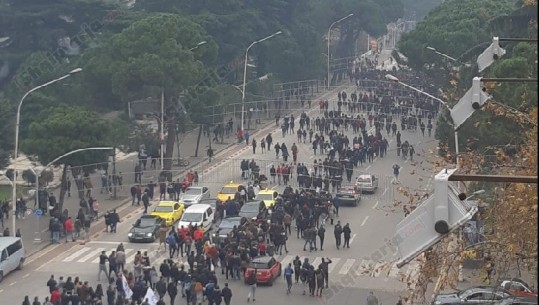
<point x="38" y="212"/>
<point x="28" y="212"/>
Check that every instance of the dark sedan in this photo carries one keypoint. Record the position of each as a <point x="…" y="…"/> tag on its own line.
<point x="474" y="295"/>
<point x="251" y="209"/>
<point x="226" y="226"/>
<point x="347" y="196"/>
<point x="145" y="229"/>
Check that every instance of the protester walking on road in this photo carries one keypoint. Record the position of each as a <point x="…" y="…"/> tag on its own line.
<point x="338" y="233"/>
<point x="103" y="258"/>
<point x="347" y="232"/>
<point x="396" y="170"/>
<point x="209" y="152"/>
<point x="251" y="281"/>
<point x="227" y="294"/>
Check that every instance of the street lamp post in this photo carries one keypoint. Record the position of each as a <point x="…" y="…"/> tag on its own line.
<point x="329" y="40"/>
<point x="396" y="79"/>
<point x="16" y="150"/>
<point x="198" y="45"/>
<point x="245" y="73"/>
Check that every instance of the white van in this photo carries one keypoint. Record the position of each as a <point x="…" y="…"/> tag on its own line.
<point x="12" y="255"/>
<point x="199" y="215"/>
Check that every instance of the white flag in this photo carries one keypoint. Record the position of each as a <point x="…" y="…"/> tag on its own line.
<point x="151" y="297"/>
<point x="127" y="290"/>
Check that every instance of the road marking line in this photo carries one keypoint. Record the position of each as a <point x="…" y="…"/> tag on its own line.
<point x="316" y="262"/>
<point x="91" y="255"/>
<point x="11" y="284"/>
<point x="287" y="259"/>
<point x="377" y="270"/>
<point x="26" y="275"/>
<point x="334" y="262"/>
<point x="76" y="254"/>
<point x="385" y="191"/>
<point x="367" y="168"/>
<point x="95" y="261"/>
<point x="347" y="265"/>
<point x="364" y="220"/>
<point x="376" y="205"/>
<point x="352" y="239"/>
<point x="116" y="243"/>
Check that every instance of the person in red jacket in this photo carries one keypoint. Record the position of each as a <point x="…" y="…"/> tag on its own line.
<point x="69" y="228"/>
<point x="56" y="297"/>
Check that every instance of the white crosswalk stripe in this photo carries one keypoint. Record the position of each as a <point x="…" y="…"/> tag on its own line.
<point x="346" y="266"/>
<point x="92" y="254"/>
<point x="334" y="262"/>
<point x="76" y="254"/>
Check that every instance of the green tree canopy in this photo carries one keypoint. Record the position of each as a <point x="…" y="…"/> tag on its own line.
<point x="62" y="129"/>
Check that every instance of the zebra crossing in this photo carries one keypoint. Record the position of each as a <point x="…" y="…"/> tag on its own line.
<point x="90" y="255"/>
<point x="338" y="267"/>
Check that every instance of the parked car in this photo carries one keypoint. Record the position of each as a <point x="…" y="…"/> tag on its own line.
<point x="518" y="301"/>
<point x="268" y="196"/>
<point x="193" y="195"/>
<point x="170" y="211"/>
<point x="475" y="295"/>
<point x="267" y="269"/>
<point x="347" y="196"/>
<point x="199" y="215"/>
<point x="517" y="287"/>
<point x="251" y="209"/>
<point x="228" y="190"/>
<point x="145" y="228"/>
<point x="226" y="226"/>
<point x="366" y="183"/>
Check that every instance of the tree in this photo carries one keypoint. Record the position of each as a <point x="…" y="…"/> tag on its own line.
<point x="62" y="129"/>
<point x="152" y="55"/>
<point x="29" y="176"/>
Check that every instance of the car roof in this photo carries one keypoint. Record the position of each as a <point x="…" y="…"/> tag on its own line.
<point x="7" y="240"/>
<point x="198" y="207"/>
<point x="261" y="259"/>
<point x="195" y="188"/>
<point x="150" y="216"/>
<point x="267" y="191"/>
<point x="364" y="176"/>
<point x="231" y="183"/>
<point x="167" y="203"/>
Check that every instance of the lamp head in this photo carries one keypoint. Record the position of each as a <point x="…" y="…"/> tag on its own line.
<point x="77" y="70"/>
<point x="430" y="48"/>
<point x="391" y="77"/>
<point x="202" y="43"/>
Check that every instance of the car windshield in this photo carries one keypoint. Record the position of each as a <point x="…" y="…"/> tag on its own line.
<point x="258" y="265"/>
<point x="163" y="209"/>
<point x="145" y="222"/>
<point x="250" y="208"/>
<point x="191" y="191"/>
<point x="192" y="217"/>
<point x="229" y="190"/>
<point x="264" y="197"/>
<point x="363" y="180"/>
<point x="227" y="223"/>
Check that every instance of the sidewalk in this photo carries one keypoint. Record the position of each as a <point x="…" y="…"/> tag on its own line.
<point x="188" y="141"/>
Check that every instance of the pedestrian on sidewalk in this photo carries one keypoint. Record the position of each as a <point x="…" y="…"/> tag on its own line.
<point x="227" y="294"/>
<point x="253" y="143"/>
<point x="263" y="145"/>
<point x="209" y="152"/>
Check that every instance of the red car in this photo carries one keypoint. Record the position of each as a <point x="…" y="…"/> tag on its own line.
<point x="267" y="270"/>
<point x="518" y="287"/>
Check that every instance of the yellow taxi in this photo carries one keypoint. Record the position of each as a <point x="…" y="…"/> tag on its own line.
<point x="228" y="190"/>
<point x="170" y="211"/>
<point x="268" y="196"/>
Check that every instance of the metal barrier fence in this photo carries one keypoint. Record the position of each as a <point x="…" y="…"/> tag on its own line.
<point x="304" y="87"/>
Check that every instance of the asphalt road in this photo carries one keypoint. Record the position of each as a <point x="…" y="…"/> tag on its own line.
<point x="367" y="265"/>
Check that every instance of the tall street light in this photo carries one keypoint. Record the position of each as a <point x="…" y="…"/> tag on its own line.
<point x="329" y="38"/>
<point x="16" y="150"/>
<point x="245" y="73"/>
<point x="396" y="79"/>
<point x="162" y="136"/>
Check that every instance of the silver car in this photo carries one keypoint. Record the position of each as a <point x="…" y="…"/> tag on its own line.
<point x="194" y="194"/>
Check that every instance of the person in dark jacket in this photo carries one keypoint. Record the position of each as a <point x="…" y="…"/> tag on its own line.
<point x="217" y="295"/>
<point x="347" y="232"/>
<point x="172" y="290"/>
<point x="227" y="294"/>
